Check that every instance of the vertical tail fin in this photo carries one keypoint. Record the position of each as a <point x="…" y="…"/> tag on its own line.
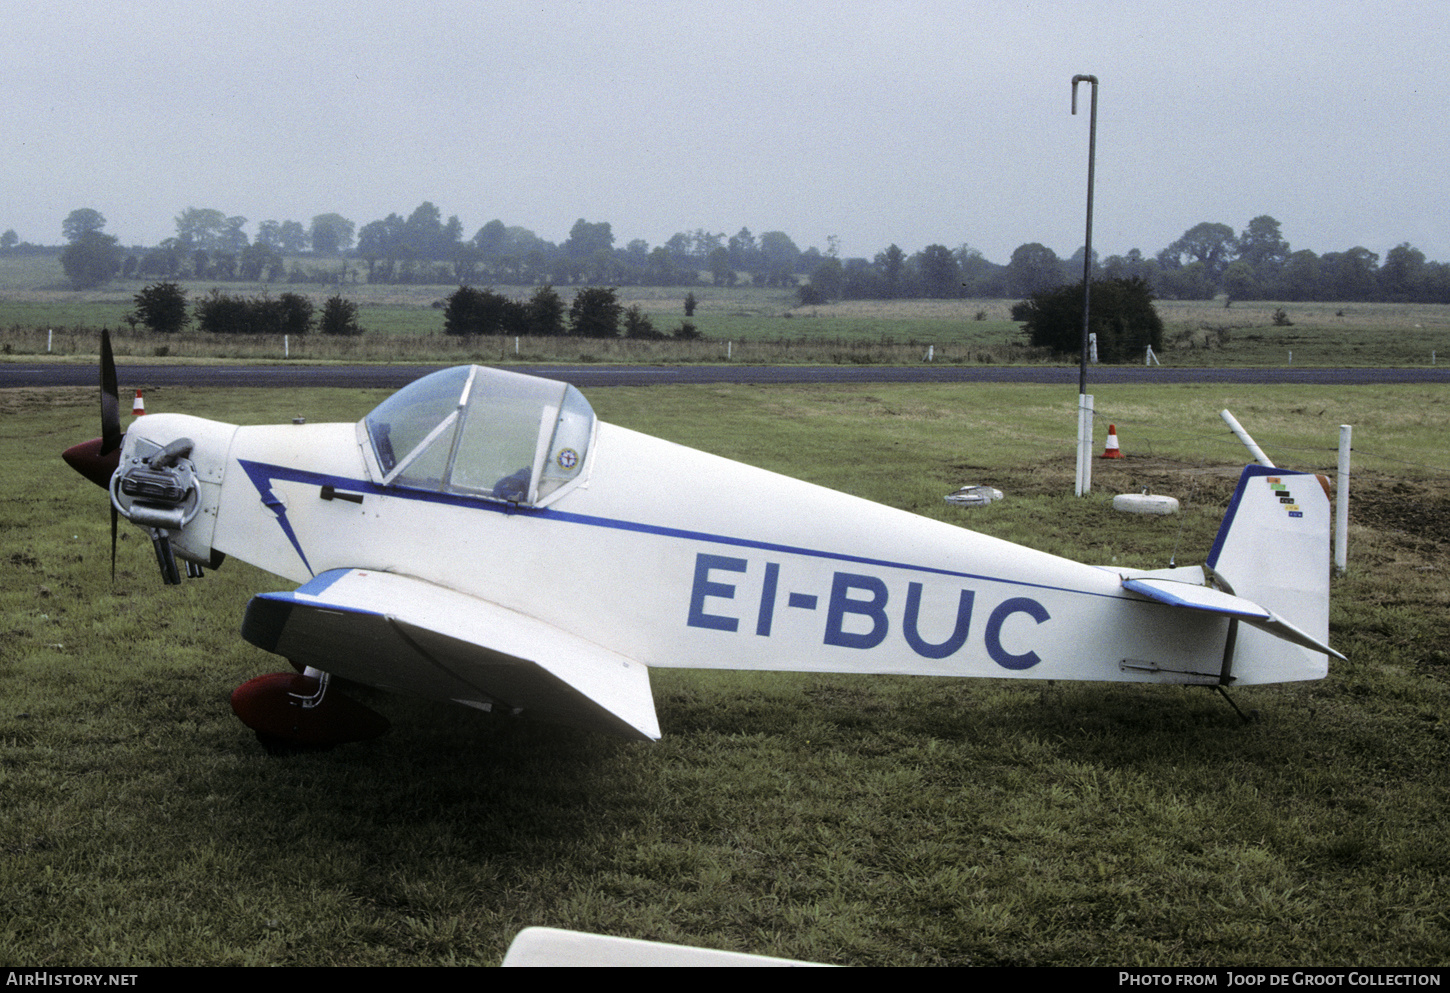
<point x="1273" y="548"/>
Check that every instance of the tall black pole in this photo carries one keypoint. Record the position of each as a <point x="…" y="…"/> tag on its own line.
<point x="1087" y="252"/>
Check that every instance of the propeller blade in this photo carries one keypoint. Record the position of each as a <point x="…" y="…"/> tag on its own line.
<point x="97" y="460"/>
<point x="110" y="398"/>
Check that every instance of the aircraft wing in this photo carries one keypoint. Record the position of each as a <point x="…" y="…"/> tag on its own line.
<point x="401" y="633"/>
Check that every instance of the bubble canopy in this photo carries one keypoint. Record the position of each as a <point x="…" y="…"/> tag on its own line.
<point x="480" y="432"/>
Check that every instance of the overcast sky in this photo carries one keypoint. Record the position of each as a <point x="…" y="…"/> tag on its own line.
<point x="911" y="122"/>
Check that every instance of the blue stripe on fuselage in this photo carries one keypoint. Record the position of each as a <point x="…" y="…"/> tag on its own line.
<point x="262" y="475"/>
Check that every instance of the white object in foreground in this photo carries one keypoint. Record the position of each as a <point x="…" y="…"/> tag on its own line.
<point x="552" y="947"/>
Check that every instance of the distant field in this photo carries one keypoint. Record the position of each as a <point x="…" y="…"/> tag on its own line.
<point x="34" y="299"/>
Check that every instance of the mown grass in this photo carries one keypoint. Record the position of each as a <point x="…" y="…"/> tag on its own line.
<point x="886" y="821"/>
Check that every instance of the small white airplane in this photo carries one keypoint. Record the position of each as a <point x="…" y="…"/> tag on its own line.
<point x="481" y="537"/>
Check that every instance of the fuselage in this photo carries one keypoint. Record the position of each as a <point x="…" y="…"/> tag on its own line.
<point x="678" y="558"/>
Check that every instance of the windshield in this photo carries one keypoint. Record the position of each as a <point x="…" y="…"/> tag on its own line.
<point x="483" y="432"/>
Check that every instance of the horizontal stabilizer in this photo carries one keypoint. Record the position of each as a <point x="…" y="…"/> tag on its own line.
<point x="400" y="633"/>
<point x="1210" y="600"/>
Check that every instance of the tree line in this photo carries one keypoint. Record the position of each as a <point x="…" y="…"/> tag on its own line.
<point x="595" y="312"/>
<point x="1209" y="259"/>
<point x="163" y="307"/>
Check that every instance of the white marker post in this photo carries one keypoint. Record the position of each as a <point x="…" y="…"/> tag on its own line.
<point x="1341" y="502"/>
<point x="1238" y="429"/>
<point x="1084" y="483"/>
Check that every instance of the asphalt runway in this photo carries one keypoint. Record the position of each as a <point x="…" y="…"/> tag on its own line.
<point x="296" y="376"/>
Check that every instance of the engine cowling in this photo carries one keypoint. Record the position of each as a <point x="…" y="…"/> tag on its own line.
<point x="169" y="480"/>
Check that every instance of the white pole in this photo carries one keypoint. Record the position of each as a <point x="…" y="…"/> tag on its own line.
<point x="1237" y="428"/>
<point x="1084" y="481"/>
<point x="50" y="334"/>
<point x="729" y="350"/>
<point x="1077" y="479"/>
<point x="516" y="346"/>
<point x="1341" y="502"/>
<point x="286" y="347"/>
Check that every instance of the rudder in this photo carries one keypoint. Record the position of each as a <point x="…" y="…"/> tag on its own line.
<point x="1273" y="548"/>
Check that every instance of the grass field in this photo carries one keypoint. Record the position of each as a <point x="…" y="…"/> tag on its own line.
<point x="866" y="821"/>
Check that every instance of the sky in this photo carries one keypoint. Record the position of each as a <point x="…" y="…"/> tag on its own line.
<point x="876" y="122"/>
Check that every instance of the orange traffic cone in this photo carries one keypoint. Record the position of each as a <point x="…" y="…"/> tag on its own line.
<point x="139" y="406"/>
<point x="1112" y="451"/>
